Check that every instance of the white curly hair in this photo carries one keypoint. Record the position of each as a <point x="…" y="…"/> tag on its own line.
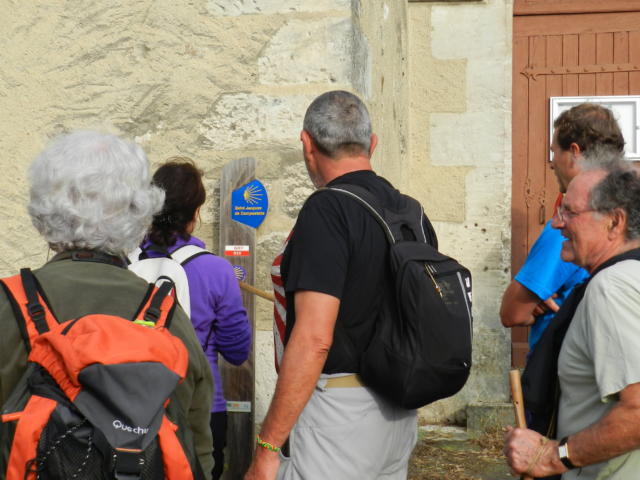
<point x="91" y="190"/>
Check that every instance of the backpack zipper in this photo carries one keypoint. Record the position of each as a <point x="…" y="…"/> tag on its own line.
<point x="466" y="302"/>
<point x="428" y="268"/>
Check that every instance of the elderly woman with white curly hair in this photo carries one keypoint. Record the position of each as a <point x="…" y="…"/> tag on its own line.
<point x="92" y="200"/>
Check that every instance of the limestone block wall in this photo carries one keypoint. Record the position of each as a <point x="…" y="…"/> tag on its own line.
<point x="385" y="31"/>
<point x="214" y="80"/>
<point x="218" y="80"/>
<point x="460" y="165"/>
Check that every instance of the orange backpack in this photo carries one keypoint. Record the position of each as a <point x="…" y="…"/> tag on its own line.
<point x="93" y="401"/>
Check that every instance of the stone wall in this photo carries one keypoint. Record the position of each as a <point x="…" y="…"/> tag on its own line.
<point x="460" y="166"/>
<point x="215" y="80"/>
<point x="218" y="80"/>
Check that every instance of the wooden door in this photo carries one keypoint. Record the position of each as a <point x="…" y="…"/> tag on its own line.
<point x="560" y="52"/>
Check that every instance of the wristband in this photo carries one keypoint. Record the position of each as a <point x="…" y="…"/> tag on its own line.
<point x="266" y="445"/>
<point x="563" y="453"/>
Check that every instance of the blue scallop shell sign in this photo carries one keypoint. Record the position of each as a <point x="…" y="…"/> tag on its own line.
<point x="249" y="204"/>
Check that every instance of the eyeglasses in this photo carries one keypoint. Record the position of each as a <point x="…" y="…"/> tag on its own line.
<point x="564" y="214"/>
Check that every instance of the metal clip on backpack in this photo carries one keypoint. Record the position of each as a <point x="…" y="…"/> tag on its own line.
<point x="420" y="351"/>
<point x="91" y="404"/>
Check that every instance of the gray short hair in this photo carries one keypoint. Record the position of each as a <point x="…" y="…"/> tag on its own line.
<point x="603" y="157"/>
<point x="619" y="189"/>
<point x="338" y="121"/>
<point x="91" y="190"/>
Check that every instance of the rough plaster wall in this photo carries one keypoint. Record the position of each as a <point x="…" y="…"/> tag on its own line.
<point x="223" y="79"/>
<point x="215" y="80"/>
<point x="460" y="165"/>
<point x="384" y="25"/>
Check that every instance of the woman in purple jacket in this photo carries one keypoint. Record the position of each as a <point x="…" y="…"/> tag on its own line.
<point x="217" y="313"/>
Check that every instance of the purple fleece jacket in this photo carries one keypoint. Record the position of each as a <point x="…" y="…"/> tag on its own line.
<point x="218" y="316"/>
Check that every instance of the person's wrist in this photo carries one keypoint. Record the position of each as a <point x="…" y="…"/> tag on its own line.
<point x="564" y="454"/>
<point x="265" y="446"/>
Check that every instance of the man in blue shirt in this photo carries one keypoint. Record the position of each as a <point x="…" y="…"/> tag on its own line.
<point x="545" y="281"/>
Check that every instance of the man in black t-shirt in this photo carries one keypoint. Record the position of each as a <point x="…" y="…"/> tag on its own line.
<point x="330" y="281"/>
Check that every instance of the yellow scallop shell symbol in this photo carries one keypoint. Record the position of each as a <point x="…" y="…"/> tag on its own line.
<point x="252" y="194"/>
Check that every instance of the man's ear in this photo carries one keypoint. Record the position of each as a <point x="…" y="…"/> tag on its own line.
<point x="618" y="222"/>
<point x="575" y="149"/>
<point x="373" y="145"/>
<point x="576" y="155"/>
<point x="307" y="142"/>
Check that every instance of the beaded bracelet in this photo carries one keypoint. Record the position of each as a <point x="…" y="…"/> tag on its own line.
<point x="266" y="445"/>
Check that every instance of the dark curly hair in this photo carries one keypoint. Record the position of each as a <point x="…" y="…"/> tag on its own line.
<point x="588" y="124"/>
<point x="184" y="194"/>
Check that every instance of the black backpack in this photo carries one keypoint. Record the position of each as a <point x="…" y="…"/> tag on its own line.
<point x="420" y="351"/>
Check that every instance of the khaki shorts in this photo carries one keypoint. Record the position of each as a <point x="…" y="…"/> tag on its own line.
<point x="349" y="434"/>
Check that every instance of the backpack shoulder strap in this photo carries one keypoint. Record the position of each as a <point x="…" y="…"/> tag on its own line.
<point x="33" y="315"/>
<point x="158" y="309"/>
<point x="633" y="254"/>
<point x="186" y="253"/>
<point x="395" y="223"/>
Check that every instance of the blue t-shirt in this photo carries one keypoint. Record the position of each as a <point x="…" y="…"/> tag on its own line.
<point x="545" y="273"/>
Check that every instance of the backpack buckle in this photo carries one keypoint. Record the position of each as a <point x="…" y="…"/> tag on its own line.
<point x="35" y="310"/>
<point x="37" y="314"/>
<point x="152" y="314"/>
<point x="128" y="464"/>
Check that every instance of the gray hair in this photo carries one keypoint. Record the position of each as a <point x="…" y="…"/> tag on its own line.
<point x="338" y="121"/>
<point x="619" y="189"/>
<point x="603" y="157"/>
<point x="91" y="190"/>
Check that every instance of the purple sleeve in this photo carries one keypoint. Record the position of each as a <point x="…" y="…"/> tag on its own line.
<point x="232" y="333"/>
<point x="217" y="312"/>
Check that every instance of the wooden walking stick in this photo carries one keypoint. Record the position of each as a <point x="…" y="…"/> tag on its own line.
<point x="518" y="404"/>
<point x="516" y="397"/>
<point x="256" y="291"/>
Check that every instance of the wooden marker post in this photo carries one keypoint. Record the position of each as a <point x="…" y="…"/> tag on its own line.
<point x="237" y="245"/>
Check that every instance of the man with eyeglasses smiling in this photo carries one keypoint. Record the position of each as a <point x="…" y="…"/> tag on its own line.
<point x="565" y="215"/>
<point x="598" y="411"/>
<point x="545" y="281"/>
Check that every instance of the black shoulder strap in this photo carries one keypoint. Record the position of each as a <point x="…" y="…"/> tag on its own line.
<point x="629" y="255"/>
<point x="150" y="289"/>
<point x="194" y="256"/>
<point x="27" y="298"/>
<point x="34" y="307"/>
<point x="153" y="313"/>
<point x="395" y="223"/>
